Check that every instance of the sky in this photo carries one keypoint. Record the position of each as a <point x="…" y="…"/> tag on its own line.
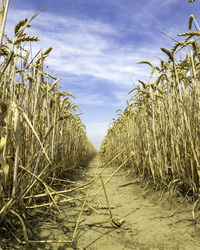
<point x="97" y="44"/>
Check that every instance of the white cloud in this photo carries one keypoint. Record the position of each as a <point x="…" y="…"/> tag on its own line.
<point x="86" y="47"/>
<point x="90" y="47"/>
<point x="90" y="99"/>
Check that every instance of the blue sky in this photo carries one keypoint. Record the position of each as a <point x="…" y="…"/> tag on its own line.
<point x="97" y="43"/>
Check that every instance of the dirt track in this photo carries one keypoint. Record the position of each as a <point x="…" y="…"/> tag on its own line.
<point x="148" y="224"/>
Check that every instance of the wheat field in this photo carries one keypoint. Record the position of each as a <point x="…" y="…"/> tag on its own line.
<point x="43" y="140"/>
<point x="42" y="137"/>
<point x="158" y="132"/>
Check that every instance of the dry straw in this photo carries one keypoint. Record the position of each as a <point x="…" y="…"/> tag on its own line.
<point x="161" y="122"/>
<point x="42" y="138"/>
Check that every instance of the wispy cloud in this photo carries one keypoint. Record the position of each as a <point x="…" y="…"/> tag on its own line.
<point x="96" y="55"/>
<point x="90" y="99"/>
<point x="86" y="47"/>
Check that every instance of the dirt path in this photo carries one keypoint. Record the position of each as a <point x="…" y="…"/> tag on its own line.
<point x="147" y="223"/>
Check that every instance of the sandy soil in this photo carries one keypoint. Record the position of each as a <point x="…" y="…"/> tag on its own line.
<point x="147" y="225"/>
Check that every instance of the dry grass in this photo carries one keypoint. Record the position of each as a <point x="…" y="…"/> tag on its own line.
<point x="42" y="138"/>
<point x="160" y="124"/>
